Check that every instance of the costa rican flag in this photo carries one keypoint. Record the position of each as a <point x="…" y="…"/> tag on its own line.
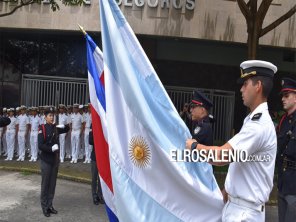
<point x="98" y="111"/>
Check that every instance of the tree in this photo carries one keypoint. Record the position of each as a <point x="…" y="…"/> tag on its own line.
<point x="255" y="16"/>
<point x="16" y="4"/>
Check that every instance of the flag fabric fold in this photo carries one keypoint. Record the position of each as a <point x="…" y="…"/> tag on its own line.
<point x="99" y="125"/>
<point x="143" y="127"/>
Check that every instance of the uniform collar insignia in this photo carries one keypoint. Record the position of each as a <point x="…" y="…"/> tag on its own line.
<point x="256" y="116"/>
<point x="196" y="130"/>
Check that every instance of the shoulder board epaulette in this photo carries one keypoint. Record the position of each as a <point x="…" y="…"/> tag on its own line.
<point x="257" y="116"/>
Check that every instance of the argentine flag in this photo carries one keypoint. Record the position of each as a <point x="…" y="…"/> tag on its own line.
<point x="143" y="126"/>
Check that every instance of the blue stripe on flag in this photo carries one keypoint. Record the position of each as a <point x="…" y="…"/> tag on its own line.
<point x="112" y="217"/>
<point x="100" y="91"/>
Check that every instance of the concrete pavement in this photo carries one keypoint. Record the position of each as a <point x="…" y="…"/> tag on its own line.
<point x="20" y="201"/>
<point x="20" y="192"/>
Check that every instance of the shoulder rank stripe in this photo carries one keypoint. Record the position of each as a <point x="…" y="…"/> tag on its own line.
<point x="257" y="116"/>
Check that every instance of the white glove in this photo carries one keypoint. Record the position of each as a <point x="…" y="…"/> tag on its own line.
<point x="54" y="147"/>
<point x="61" y="126"/>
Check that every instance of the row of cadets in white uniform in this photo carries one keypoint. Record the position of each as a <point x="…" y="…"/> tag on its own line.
<point x="10" y="134"/>
<point x="3" y="148"/>
<point x="75" y="144"/>
<point x="35" y="121"/>
<point x="80" y="126"/>
<point x="18" y="130"/>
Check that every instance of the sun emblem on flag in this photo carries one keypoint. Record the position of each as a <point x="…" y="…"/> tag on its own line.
<point x="139" y="151"/>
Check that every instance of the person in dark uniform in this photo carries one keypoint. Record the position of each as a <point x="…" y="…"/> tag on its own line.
<point x="286" y="155"/>
<point x="95" y="179"/>
<point x="201" y="125"/>
<point x="4" y="121"/>
<point x="48" y="144"/>
<point x="185" y="114"/>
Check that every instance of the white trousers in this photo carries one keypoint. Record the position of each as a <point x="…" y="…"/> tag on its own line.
<point x="81" y="148"/>
<point x="68" y="146"/>
<point x="28" y="143"/>
<point x="75" y="143"/>
<point x="4" y="143"/>
<point x="21" y="144"/>
<point x="62" y="138"/>
<point x="16" y="149"/>
<point x="10" y="140"/>
<point x="87" y="147"/>
<point x="34" y="144"/>
<point x="236" y="213"/>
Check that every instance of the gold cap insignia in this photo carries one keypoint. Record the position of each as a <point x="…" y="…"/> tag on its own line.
<point x="243" y="75"/>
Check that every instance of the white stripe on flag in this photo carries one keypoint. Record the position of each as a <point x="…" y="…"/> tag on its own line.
<point x="97" y="105"/>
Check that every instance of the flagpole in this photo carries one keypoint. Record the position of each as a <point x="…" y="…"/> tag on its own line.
<point x="81" y="29"/>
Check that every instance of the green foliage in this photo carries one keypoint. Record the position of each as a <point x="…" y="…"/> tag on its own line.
<point x="54" y="4"/>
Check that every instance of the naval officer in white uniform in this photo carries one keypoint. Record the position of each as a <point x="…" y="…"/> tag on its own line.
<point x="248" y="184"/>
<point x="76" y="132"/>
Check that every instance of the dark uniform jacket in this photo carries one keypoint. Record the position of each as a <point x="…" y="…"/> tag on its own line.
<point x="51" y="138"/>
<point x="202" y="131"/>
<point x="91" y="142"/>
<point x="286" y="155"/>
<point x="4" y="121"/>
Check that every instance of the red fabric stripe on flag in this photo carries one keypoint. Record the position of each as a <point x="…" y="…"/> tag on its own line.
<point x="102" y="79"/>
<point x="102" y="149"/>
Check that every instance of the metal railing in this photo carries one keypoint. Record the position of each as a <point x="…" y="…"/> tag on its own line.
<point x="40" y="90"/>
<point x="51" y="90"/>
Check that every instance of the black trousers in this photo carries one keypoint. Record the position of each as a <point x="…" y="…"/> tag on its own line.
<point x="49" y="174"/>
<point x="95" y="182"/>
<point x="287" y="208"/>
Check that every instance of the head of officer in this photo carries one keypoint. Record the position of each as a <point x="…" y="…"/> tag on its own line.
<point x="23" y="110"/>
<point x="17" y="111"/>
<point x="62" y="108"/>
<point x="81" y="110"/>
<point x="10" y="112"/>
<point x="76" y="108"/>
<point x="41" y="110"/>
<point x="288" y="93"/>
<point x="49" y="115"/>
<point x="29" y="111"/>
<point x="34" y="111"/>
<point x="257" y="82"/>
<point x="69" y="109"/>
<point x="87" y="108"/>
<point x="200" y="106"/>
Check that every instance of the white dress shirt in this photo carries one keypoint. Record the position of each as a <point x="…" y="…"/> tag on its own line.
<point x="253" y="181"/>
